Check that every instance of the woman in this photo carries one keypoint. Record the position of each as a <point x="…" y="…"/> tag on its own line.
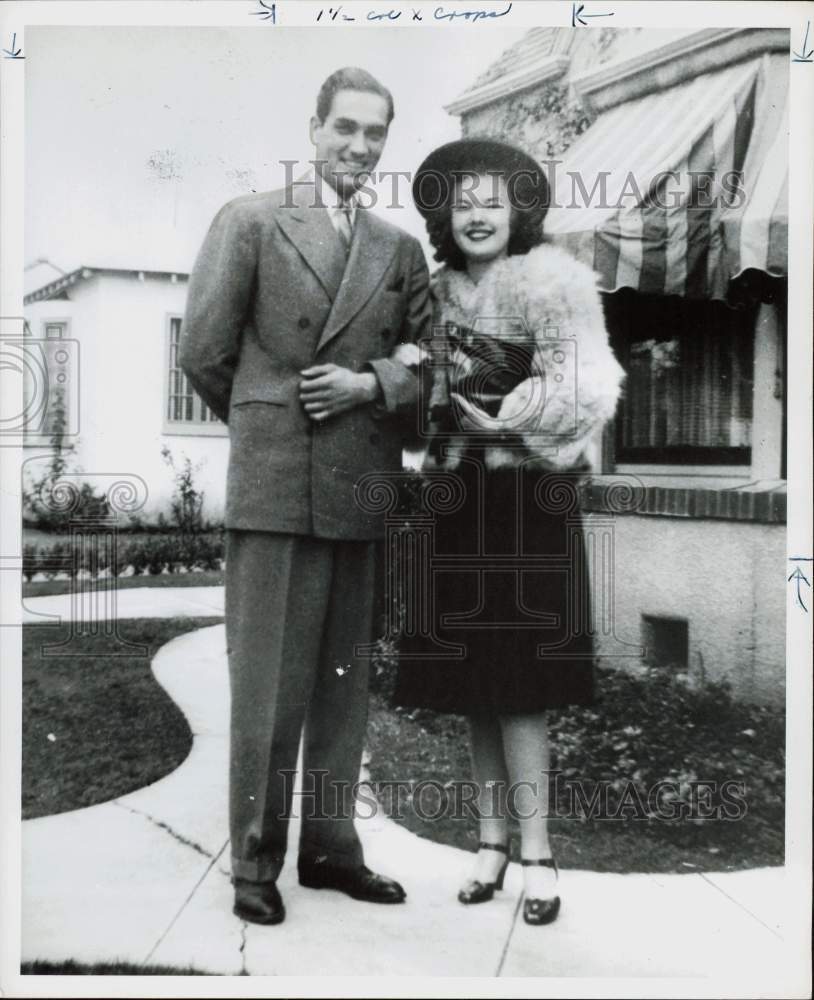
<point x="522" y="380"/>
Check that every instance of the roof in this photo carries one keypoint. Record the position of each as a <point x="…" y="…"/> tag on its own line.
<point x="57" y="289"/>
<point x="537" y="56"/>
<point x="537" y="44"/>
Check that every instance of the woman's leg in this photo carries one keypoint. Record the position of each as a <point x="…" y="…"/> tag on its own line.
<point x="491" y="777"/>
<point x="526" y="752"/>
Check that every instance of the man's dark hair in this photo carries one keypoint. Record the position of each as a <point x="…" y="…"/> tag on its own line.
<point x="351" y="78"/>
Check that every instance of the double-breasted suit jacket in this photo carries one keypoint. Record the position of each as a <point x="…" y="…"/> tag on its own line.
<point x="272" y="292"/>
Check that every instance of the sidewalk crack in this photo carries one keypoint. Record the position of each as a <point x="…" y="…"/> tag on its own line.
<point x="166" y="828"/>
<point x="740" y="905"/>
<point x="185" y="903"/>
<point x="504" y="953"/>
<point x="243" y="970"/>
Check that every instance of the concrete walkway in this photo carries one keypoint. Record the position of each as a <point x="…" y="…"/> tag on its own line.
<point x="145" y="878"/>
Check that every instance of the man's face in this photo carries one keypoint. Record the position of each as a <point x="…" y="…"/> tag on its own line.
<point x="351" y="139"/>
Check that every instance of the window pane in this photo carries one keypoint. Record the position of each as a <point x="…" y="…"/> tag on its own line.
<point x="689" y="380"/>
<point x="184" y="405"/>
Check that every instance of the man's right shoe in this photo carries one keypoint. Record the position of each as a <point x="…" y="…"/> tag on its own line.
<point x="358" y="883"/>
<point x="258" y="902"/>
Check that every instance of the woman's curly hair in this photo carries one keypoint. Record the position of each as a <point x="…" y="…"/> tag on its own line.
<point x="526" y="230"/>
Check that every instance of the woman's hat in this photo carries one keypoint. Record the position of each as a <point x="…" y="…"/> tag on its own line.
<point x="434" y="180"/>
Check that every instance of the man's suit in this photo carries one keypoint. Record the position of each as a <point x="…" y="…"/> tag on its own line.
<point x="271" y="294"/>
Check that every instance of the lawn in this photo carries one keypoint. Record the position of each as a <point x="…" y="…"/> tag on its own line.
<point x="96" y="727"/>
<point x="71" y="968"/>
<point x="642" y="730"/>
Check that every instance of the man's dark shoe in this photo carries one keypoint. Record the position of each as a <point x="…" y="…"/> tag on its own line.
<point x="258" y="902"/>
<point x="358" y="883"/>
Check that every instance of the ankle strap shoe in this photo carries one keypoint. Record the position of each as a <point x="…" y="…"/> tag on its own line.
<point x="541" y="911"/>
<point x="475" y="891"/>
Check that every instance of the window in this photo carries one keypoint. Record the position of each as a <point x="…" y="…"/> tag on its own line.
<point x="666" y="641"/>
<point x="183" y="405"/>
<point x="689" y="387"/>
<point x="49" y="365"/>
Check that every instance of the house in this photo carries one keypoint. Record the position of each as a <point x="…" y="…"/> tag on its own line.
<point x="109" y="341"/>
<point x="668" y="157"/>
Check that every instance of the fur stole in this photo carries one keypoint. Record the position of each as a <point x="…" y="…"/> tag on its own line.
<point x="554" y="417"/>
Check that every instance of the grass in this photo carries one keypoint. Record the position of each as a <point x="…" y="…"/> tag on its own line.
<point x="206" y="578"/>
<point x="424" y="746"/>
<point x="96" y="727"/>
<point x="71" y="968"/>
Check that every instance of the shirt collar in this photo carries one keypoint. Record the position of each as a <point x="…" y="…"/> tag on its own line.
<point x="332" y="200"/>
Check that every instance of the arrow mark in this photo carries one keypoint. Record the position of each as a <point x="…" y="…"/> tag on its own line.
<point x="13" y="52"/>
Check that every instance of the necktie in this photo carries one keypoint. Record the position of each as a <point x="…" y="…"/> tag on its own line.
<point x="343" y="226"/>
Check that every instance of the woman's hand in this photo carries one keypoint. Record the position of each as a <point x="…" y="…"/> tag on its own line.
<point x="473" y="418"/>
<point x="521" y="410"/>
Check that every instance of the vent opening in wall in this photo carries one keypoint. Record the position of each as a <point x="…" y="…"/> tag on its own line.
<point x="666" y="641"/>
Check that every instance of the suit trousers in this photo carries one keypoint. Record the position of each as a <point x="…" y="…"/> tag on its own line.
<point x="296" y="606"/>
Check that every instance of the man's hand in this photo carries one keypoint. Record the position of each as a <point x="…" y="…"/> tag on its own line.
<point x="328" y="390"/>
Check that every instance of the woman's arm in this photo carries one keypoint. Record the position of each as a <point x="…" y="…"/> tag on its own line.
<point x="576" y="382"/>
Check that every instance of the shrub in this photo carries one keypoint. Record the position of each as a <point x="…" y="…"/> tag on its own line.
<point x="135" y="554"/>
<point x="187" y="500"/>
<point x="656" y="725"/>
<point x="156" y="555"/>
<point x="40" y="509"/>
<point x="31" y="555"/>
<point x="53" y="560"/>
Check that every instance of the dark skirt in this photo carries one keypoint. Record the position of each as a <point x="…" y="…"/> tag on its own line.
<point x="505" y="626"/>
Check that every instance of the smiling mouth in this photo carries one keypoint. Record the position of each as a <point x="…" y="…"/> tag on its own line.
<point x="479" y="234"/>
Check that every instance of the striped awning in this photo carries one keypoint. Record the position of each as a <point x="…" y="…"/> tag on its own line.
<point x="681" y="191"/>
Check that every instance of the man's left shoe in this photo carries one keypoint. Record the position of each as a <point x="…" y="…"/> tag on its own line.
<point x="258" y="902"/>
<point x="358" y="883"/>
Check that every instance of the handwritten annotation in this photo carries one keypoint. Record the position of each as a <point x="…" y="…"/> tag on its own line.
<point x="338" y="13"/>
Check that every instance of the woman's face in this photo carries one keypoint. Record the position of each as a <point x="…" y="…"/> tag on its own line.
<point x="481" y="217"/>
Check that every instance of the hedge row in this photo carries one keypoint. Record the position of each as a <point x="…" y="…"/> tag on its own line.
<point x="151" y="554"/>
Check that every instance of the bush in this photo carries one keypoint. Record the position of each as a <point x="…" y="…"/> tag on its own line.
<point x="156" y="555"/>
<point x="40" y="508"/>
<point x="54" y="560"/>
<point x="656" y="725"/>
<point x="135" y="554"/>
<point x="187" y="500"/>
<point x="151" y="553"/>
<point x="384" y="665"/>
<point x="30" y="561"/>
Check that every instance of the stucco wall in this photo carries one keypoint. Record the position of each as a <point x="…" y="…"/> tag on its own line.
<point x="121" y="324"/>
<point x="726" y="578"/>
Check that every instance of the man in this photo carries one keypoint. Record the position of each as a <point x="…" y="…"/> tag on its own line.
<point x="299" y="307"/>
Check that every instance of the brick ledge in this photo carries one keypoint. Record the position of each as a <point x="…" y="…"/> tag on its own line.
<point x="761" y="503"/>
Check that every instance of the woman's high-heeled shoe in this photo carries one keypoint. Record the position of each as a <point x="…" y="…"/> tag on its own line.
<point x="476" y="891"/>
<point x="541" y="911"/>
